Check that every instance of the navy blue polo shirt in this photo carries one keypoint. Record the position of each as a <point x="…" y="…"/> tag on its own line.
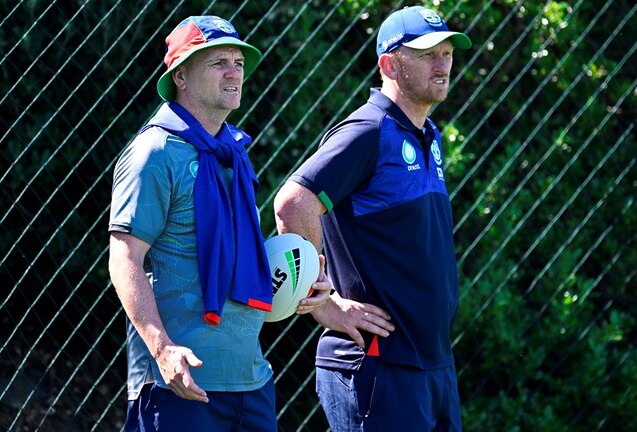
<point x="388" y="233"/>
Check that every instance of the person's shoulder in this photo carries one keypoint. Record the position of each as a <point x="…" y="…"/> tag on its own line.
<point x="365" y="118"/>
<point x="155" y="145"/>
<point x="363" y="124"/>
<point x="369" y="114"/>
<point x="158" y="140"/>
<point x="156" y="137"/>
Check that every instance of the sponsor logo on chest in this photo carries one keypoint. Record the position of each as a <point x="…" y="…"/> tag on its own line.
<point x="194" y="167"/>
<point x="409" y="156"/>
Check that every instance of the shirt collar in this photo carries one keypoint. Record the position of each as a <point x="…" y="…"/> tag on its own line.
<point x="386" y="104"/>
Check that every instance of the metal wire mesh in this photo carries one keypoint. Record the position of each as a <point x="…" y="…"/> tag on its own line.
<point x="540" y="153"/>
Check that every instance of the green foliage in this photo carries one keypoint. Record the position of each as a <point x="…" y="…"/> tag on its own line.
<point x="540" y="146"/>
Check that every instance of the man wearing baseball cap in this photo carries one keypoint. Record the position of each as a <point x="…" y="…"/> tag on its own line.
<point x="375" y="194"/>
<point x="186" y="250"/>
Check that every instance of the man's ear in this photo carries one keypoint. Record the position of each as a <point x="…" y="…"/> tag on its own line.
<point x="388" y="66"/>
<point x="179" y="77"/>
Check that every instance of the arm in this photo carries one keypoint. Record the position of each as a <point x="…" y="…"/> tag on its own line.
<point x="299" y="210"/>
<point x="136" y="295"/>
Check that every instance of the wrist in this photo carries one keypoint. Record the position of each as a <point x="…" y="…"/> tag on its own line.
<point x="158" y="344"/>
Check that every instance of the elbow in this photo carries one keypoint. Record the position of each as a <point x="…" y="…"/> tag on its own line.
<point x="297" y="209"/>
<point x="290" y="206"/>
<point x="284" y="211"/>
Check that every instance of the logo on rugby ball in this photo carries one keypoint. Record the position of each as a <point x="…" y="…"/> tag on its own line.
<point x="293" y="258"/>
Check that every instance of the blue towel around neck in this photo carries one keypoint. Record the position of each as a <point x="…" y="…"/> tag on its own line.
<point x="240" y="267"/>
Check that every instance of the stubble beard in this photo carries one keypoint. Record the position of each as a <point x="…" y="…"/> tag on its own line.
<point x="423" y="93"/>
<point x="427" y="96"/>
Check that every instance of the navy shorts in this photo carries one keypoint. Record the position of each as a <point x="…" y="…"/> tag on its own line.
<point x="386" y="397"/>
<point x="160" y="410"/>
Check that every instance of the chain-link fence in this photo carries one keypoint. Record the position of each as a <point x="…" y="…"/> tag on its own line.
<point x="540" y="146"/>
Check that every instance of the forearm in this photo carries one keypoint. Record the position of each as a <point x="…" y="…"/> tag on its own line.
<point x="299" y="211"/>
<point x="136" y="294"/>
<point x="141" y="308"/>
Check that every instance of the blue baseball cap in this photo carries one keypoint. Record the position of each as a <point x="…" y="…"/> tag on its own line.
<point x="196" y="33"/>
<point x="416" y="27"/>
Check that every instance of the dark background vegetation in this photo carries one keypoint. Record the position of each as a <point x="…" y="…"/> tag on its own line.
<point x="540" y="147"/>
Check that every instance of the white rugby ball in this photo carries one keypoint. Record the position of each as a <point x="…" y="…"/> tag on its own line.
<point x="294" y="266"/>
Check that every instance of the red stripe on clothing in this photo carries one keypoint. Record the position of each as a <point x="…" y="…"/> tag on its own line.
<point x="261" y="305"/>
<point x="373" y="350"/>
<point x="211" y="318"/>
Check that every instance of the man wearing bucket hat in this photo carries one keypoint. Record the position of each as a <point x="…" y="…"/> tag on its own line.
<point x="385" y="361"/>
<point x="183" y="209"/>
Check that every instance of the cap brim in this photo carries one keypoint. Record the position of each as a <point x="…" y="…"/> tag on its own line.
<point x="430" y="40"/>
<point x="166" y="86"/>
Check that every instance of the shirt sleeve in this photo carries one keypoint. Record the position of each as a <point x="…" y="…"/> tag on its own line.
<point x="141" y="188"/>
<point x="345" y="160"/>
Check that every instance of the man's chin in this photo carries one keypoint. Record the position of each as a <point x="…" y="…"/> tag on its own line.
<point x="440" y="96"/>
<point x="435" y="100"/>
<point x="232" y="105"/>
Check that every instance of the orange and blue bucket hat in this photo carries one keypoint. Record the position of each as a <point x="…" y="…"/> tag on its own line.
<point x="194" y="34"/>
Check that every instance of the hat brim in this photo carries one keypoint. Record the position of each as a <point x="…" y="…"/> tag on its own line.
<point x="166" y="86"/>
<point x="430" y="40"/>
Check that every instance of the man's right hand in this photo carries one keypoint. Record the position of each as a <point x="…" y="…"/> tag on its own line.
<point x="174" y="363"/>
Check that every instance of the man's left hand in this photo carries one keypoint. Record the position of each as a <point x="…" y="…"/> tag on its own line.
<point x="321" y="290"/>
